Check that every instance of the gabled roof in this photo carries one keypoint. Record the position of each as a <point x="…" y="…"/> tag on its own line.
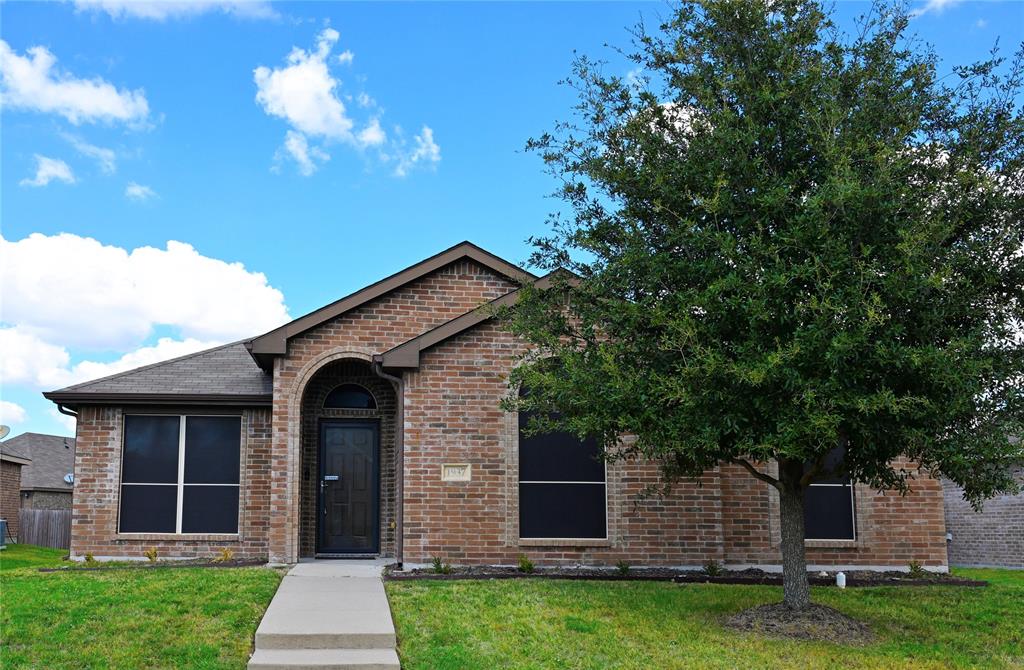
<point x="275" y="343"/>
<point x="13" y="455"/>
<point x="239" y="374"/>
<point x="407" y="354"/>
<point x="52" y="457"/>
<point x="224" y="375"/>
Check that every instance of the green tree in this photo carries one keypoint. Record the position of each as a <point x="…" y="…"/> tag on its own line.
<point x="785" y="239"/>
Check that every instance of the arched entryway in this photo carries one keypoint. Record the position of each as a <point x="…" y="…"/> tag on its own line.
<point x="347" y="462"/>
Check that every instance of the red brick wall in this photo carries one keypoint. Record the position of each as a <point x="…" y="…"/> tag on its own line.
<point x="10" y="492"/>
<point x="96" y="494"/>
<point x="371" y="329"/>
<point x="452" y="416"/>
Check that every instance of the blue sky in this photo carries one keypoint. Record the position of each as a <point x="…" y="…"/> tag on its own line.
<point x="138" y="125"/>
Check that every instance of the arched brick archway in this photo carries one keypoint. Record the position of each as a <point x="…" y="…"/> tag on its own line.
<point x="312" y="412"/>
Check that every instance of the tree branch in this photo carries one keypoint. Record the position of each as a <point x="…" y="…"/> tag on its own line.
<point x="755" y="472"/>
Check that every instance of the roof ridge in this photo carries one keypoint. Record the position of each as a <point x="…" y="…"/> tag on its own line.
<point x="81" y="385"/>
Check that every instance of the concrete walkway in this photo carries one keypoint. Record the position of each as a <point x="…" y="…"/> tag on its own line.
<point x="328" y="614"/>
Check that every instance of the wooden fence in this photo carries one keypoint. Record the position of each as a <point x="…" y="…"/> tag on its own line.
<point x="45" y="527"/>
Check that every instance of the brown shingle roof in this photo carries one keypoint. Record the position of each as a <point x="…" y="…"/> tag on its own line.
<point x="226" y="374"/>
<point x="52" y="457"/>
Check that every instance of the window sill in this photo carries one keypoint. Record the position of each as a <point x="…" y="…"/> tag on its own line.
<point x="564" y="542"/>
<point x="831" y="544"/>
<point x="178" y="537"/>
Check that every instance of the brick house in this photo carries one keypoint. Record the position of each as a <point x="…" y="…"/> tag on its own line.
<point x="990" y="537"/>
<point x="46" y="482"/>
<point x="372" y="426"/>
<point x="11" y="463"/>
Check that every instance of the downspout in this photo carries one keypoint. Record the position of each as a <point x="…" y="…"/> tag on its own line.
<point x="64" y="410"/>
<point x="378" y="369"/>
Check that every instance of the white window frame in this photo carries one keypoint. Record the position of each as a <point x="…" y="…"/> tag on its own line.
<point x="180" y="484"/>
<point x="853" y="517"/>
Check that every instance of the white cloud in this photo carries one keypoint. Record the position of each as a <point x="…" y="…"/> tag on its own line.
<point x="161" y="10"/>
<point x="937" y="6"/>
<point x="303" y="92"/>
<point x="48" y="169"/>
<point x="980" y="23"/>
<point x="74" y="292"/>
<point x="28" y="360"/>
<point x="306" y="94"/>
<point x="68" y="422"/>
<point x="105" y="158"/>
<point x="372" y="134"/>
<point x="635" y="78"/>
<point x="426" y="152"/>
<point x="11" y="413"/>
<point x="138" y="192"/>
<point x="306" y="157"/>
<point x="32" y="82"/>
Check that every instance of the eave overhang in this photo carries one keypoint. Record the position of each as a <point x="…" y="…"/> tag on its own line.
<point x="76" y="399"/>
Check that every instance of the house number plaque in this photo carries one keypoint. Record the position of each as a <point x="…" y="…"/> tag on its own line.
<point x="456" y="472"/>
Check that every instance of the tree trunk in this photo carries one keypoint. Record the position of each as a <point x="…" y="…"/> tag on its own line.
<point x="796" y="590"/>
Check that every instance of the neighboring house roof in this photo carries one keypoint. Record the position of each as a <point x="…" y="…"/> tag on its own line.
<point x="224" y="375"/>
<point x="13" y="454"/>
<point x="51" y="458"/>
<point x="275" y="343"/>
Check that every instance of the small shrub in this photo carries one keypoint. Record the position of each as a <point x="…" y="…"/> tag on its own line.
<point x="623" y="568"/>
<point x="90" y="560"/>
<point x="916" y="570"/>
<point x="712" y="569"/>
<point x="225" y="555"/>
<point x="151" y="554"/>
<point x="525" y="564"/>
<point x="440" y="567"/>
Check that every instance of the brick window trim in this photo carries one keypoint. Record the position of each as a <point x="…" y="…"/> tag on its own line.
<point x="560" y="542"/>
<point x="832" y="544"/>
<point x="613" y="494"/>
<point x="861" y="514"/>
<point x="179" y="537"/>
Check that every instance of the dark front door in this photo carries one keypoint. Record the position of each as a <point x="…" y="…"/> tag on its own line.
<point x="349" y="484"/>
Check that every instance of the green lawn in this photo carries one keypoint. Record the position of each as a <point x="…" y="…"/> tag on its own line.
<point x="162" y="618"/>
<point x="17" y="556"/>
<point x="541" y="623"/>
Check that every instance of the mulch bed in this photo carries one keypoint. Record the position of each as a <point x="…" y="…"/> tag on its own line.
<point x="750" y="576"/>
<point x="817" y="622"/>
<point x="160" y="565"/>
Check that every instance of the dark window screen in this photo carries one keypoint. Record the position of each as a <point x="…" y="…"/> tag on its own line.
<point x="828" y="513"/>
<point x="561" y="457"/>
<point x="562" y="510"/>
<point x="148" y="509"/>
<point x="150" y="449"/>
<point x="828" y="502"/>
<point x="212" y="446"/>
<point x="210" y="509"/>
<point x="350" y="396"/>
<point x="551" y="502"/>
